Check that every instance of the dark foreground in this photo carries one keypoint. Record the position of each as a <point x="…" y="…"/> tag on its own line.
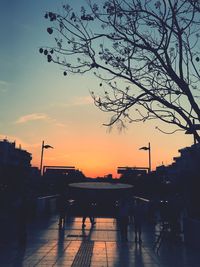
<point x="47" y="245"/>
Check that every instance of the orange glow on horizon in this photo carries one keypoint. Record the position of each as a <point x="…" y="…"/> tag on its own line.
<point x="100" y="164"/>
<point x="97" y="153"/>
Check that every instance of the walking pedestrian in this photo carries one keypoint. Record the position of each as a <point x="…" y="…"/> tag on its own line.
<point x="138" y="220"/>
<point x="87" y="211"/>
<point x="62" y="205"/>
<point x="124" y="209"/>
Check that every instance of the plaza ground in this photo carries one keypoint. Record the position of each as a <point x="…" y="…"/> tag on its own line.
<point x="98" y="246"/>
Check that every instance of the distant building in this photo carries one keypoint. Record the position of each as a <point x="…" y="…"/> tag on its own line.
<point x="133" y="171"/>
<point x="187" y="162"/>
<point x="69" y="174"/>
<point x="10" y="155"/>
<point x="108" y="177"/>
<point x="131" y="175"/>
<point x="189" y="158"/>
<point x="58" y="170"/>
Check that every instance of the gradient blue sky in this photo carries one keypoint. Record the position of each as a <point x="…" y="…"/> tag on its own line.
<point x="38" y="103"/>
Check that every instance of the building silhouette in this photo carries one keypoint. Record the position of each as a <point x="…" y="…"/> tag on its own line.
<point x="55" y="178"/>
<point x="10" y="155"/>
<point x="186" y="163"/>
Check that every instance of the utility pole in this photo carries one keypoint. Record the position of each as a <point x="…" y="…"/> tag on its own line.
<point x="149" y="149"/>
<point x="42" y="154"/>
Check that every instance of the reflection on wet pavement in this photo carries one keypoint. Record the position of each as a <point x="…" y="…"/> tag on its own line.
<point x="47" y="245"/>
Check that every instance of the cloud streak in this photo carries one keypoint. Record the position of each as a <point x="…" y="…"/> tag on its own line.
<point x="3" y="82"/>
<point x="38" y="117"/>
<point x="3" y="86"/>
<point x="84" y="100"/>
<point x="31" y="117"/>
<point x="76" y="101"/>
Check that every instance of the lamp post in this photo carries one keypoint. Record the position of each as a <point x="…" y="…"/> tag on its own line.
<point x="149" y="149"/>
<point x="42" y="154"/>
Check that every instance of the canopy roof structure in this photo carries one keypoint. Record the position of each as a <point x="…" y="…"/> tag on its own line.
<point x="100" y="190"/>
<point x="101" y="186"/>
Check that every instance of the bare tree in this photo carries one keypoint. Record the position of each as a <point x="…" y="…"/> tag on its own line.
<point x="145" y="52"/>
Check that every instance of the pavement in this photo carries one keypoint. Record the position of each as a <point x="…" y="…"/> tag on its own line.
<point x="98" y="246"/>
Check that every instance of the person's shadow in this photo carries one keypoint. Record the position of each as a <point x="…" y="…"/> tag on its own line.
<point x="124" y="253"/>
<point x="61" y="239"/>
<point x="139" y="256"/>
<point x="87" y="234"/>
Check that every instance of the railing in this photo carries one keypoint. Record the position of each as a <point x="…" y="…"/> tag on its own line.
<point x="46" y="205"/>
<point x="142" y="199"/>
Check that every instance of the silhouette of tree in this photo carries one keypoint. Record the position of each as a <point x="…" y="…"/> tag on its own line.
<point x="146" y="53"/>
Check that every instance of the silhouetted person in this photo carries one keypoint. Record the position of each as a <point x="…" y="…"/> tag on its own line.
<point x="124" y="210"/>
<point x="138" y="220"/>
<point x="131" y="211"/>
<point x="87" y="209"/>
<point x="62" y="205"/>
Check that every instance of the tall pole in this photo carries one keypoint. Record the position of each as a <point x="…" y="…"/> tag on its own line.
<point x="193" y="122"/>
<point x="42" y="151"/>
<point x="149" y="148"/>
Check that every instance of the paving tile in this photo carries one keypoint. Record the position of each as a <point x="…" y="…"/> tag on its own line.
<point x="47" y="246"/>
<point x="30" y="262"/>
<point x="99" y="264"/>
<point x="64" y="264"/>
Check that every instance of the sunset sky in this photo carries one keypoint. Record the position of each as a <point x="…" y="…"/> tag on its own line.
<point x="38" y="103"/>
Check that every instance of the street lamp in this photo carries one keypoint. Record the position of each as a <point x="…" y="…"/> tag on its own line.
<point x="42" y="154"/>
<point x="149" y="149"/>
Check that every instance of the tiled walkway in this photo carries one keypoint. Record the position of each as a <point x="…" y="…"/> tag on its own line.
<point x="97" y="247"/>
